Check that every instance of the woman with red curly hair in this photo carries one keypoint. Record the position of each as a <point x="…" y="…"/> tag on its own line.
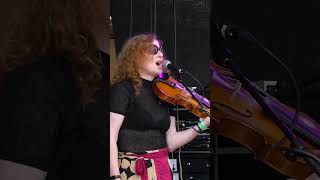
<point x="142" y="130"/>
<point x="54" y="97"/>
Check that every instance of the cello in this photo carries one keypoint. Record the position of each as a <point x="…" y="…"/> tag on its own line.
<point x="243" y="120"/>
<point x="239" y="117"/>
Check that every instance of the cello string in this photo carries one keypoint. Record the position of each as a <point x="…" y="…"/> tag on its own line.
<point x="296" y="86"/>
<point x="261" y="91"/>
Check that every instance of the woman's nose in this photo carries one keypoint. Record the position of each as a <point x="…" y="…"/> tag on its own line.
<point x="160" y="53"/>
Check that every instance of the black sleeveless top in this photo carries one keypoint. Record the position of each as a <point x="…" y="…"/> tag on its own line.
<point x="146" y="118"/>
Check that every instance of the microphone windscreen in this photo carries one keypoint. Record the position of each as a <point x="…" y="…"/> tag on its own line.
<point x="165" y="65"/>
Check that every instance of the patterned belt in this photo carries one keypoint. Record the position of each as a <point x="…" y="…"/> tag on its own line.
<point x="161" y="164"/>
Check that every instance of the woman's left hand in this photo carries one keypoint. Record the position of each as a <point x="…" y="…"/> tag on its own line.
<point x="207" y="121"/>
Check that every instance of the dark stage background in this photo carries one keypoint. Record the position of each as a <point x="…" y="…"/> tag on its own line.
<point x="290" y="30"/>
<point x="192" y="30"/>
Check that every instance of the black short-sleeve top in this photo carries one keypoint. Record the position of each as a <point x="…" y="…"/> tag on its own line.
<point x="146" y="118"/>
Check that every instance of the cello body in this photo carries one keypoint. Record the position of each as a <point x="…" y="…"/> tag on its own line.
<point x="243" y="120"/>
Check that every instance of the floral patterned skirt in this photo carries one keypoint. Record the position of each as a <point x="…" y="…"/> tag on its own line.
<point x="151" y="165"/>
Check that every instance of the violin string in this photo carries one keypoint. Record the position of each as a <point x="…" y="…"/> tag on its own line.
<point x="200" y="85"/>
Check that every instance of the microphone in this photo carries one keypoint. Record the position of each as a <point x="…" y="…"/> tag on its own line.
<point x="222" y="32"/>
<point x="167" y="65"/>
<point x="227" y="31"/>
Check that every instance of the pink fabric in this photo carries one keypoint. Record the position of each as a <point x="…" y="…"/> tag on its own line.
<point x="160" y="159"/>
<point x="141" y="168"/>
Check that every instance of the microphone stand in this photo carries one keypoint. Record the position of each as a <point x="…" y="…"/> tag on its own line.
<point x="297" y="145"/>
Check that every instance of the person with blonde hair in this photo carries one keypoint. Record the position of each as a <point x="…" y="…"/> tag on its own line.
<point x="142" y="128"/>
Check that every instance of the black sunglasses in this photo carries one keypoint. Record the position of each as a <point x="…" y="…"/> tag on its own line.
<point x="155" y="49"/>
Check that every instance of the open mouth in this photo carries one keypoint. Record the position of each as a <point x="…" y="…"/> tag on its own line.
<point x="159" y="63"/>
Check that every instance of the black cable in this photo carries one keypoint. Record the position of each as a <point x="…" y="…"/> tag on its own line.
<point x="175" y="31"/>
<point x="296" y="86"/>
<point x="131" y="12"/>
<point x="311" y="158"/>
<point x="150" y="8"/>
<point x="306" y="153"/>
<point x="155" y="17"/>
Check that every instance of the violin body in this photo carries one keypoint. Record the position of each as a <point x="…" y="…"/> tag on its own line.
<point x="172" y="91"/>
<point x="243" y="120"/>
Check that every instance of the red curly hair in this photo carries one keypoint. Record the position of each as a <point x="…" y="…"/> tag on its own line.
<point x="60" y="28"/>
<point x="131" y="54"/>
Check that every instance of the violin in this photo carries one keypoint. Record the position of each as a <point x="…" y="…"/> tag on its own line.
<point x="243" y="120"/>
<point x="172" y="91"/>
